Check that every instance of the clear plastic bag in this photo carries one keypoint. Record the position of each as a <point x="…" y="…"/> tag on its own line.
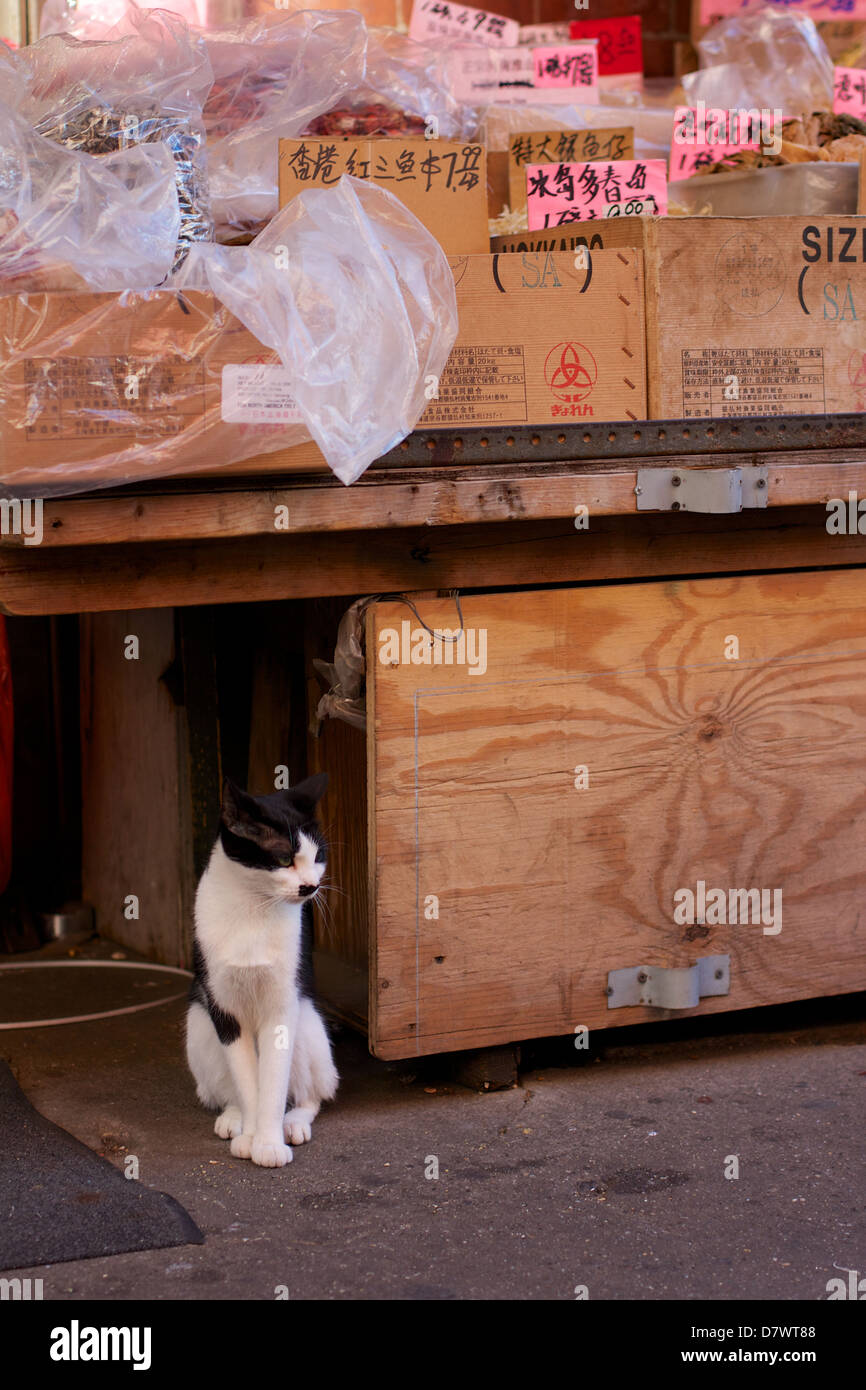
<point x="358" y="299"/>
<point x="764" y="58"/>
<point x="146" y="86"/>
<point x="406" y="92"/>
<point x="347" y="302"/>
<point x="653" y="126"/>
<point x="346" y="676"/>
<point x="272" y="76"/>
<point x="95" y="18"/>
<point x="67" y="219"/>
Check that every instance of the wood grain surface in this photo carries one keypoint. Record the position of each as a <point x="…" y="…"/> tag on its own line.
<point x="746" y="773"/>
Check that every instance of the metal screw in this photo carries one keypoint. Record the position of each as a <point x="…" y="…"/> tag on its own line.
<point x="719" y="975"/>
<point x="675" y="482"/>
<point x="762" y="482"/>
<point x="675" y="506"/>
<point x="642" y="978"/>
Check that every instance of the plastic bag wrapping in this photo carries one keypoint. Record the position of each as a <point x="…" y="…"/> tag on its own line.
<point x="100" y="390"/>
<point x="271" y="77"/>
<point x="653" y="126"/>
<point x="406" y="92"/>
<point x="764" y="58"/>
<point x="146" y="86"/>
<point x="358" y="299"/>
<point x="346" y="676"/>
<point x="804" y="190"/>
<point x="94" y="18"/>
<point x="67" y="219"/>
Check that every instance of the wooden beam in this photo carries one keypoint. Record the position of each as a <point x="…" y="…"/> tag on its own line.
<point x="430" y="497"/>
<point x="100" y="578"/>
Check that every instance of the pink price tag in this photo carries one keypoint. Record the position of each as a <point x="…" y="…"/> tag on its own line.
<point x="701" y="138"/>
<point x="571" y="65"/>
<point x="849" y="92"/>
<point x="440" y="19"/>
<point x="557" y="194"/>
<point x="711" y="10"/>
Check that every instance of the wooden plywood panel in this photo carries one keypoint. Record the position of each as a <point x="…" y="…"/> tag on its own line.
<point x="338" y="748"/>
<point x="747" y="773"/>
<point x="136" y="838"/>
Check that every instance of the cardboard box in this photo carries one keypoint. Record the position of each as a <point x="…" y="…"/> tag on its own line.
<point x="443" y="182"/>
<point x="599" y="235"/>
<point x="110" y="388"/>
<point x="534" y="347"/>
<point x="542" y="342"/>
<point x="753" y="315"/>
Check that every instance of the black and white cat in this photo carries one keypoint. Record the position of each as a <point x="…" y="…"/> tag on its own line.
<point x="254" y="1035"/>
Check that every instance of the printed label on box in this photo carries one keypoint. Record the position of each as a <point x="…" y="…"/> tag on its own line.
<point x="481" y="384"/>
<point x="258" y="394"/>
<point x="440" y="19"/>
<point x="620" y="47"/>
<point x="111" y="397"/>
<point x="561" y="193"/>
<point x="753" y="381"/>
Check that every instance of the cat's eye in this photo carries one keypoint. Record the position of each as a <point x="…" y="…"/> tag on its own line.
<point x="285" y="862"/>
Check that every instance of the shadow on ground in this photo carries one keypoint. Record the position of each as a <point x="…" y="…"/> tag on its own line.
<point x="604" y="1168"/>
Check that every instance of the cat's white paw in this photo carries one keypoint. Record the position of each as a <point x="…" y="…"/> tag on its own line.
<point x="229" y="1123"/>
<point x="298" y="1127"/>
<point x="242" y="1146"/>
<point x="269" y="1154"/>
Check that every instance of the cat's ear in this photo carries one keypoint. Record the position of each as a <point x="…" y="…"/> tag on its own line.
<point x="238" y="809"/>
<point x="307" y="794"/>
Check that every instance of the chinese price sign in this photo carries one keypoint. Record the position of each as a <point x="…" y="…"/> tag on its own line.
<point x="701" y="138"/>
<point x="440" y="19"/>
<point x="620" y="46"/>
<point x="562" y="147"/>
<point x="711" y="10"/>
<point x="849" y="92"/>
<point x="481" y="75"/>
<point x="566" y="65"/>
<point x="557" y="194"/>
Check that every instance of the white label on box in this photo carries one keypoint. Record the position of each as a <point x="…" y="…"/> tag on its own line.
<point x="258" y="394"/>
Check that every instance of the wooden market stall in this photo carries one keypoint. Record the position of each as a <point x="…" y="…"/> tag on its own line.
<point x="672" y="693"/>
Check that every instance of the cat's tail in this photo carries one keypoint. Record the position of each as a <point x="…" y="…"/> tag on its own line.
<point x="206" y="1057"/>
<point x="314" y="1076"/>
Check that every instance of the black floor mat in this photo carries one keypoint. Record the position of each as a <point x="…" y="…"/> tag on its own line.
<point x="60" y="1201"/>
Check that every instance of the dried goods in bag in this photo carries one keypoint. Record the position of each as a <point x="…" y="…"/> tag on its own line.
<point x="147" y="86"/>
<point x="67" y="220"/>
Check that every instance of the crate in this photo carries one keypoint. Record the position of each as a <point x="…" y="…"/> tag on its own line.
<point x="536" y="826"/>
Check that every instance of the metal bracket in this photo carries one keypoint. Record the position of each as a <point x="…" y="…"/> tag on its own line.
<point x="700" y="489"/>
<point x="664" y="988"/>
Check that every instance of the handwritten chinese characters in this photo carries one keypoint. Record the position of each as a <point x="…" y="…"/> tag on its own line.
<point x="562" y="147"/>
<point x="557" y="194"/>
<point x="440" y="19"/>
